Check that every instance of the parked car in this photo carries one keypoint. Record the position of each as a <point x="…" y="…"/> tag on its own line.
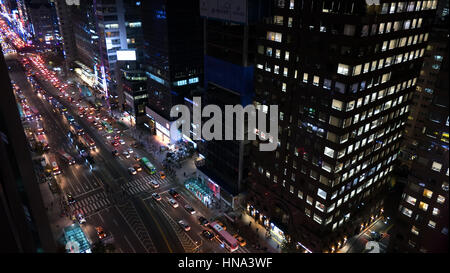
<point x="130" y="151"/>
<point x="126" y="154"/>
<point x="115" y="152"/>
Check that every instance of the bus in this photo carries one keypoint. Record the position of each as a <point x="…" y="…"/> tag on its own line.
<point x="107" y="126"/>
<point x="20" y="111"/>
<point x="224" y="237"/>
<point x="88" y="142"/>
<point x="43" y="140"/>
<point x="66" y="157"/>
<point x="54" y="164"/>
<point x="147" y="165"/>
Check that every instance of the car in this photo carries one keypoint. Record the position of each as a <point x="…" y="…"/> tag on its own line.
<point x="173" y="203"/>
<point x="116" y="137"/>
<point x="162" y="175"/>
<point x="115" y="152"/>
<point x="375" y="236"/>
<point x="136" y="157"/>
<point x="114" y="143"/>
<point x="108" y="137"/>
<point x="122" y="141"/>
<point x="241" y="240"/>
<point x="80" y="218"/>
<point x="100" y="232"/>
<point x="156" y="196"/>
<point x="99" y="127"/>
<point x="70" y="198"/>
<point x="174" y="193"/>
<point x="132" y="170"/>
<point x="137" y="167"/>
<point x="130" y="151"/>
<point x="189" y="209"/>
<point x="126" y="154"/>
<point x="221" y="224"/>
<point x="208" y="234"/>
<point x="154" y="184"/>
<point x="184" y="225"/>
<point x="203" y="221"/>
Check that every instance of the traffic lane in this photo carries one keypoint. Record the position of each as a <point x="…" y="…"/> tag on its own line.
<point x="116" y="170"/>
<point x="165" y="238"/>
<point x="180" y="213"/>
<point x="195" y="233"/>
<point x="53" y="125"/>
<point x="117" y="229"/>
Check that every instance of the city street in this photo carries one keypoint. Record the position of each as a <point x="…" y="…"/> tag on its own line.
<point x="105" y="192"/>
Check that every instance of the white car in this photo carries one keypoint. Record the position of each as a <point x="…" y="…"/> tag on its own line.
<point x="184" y="225"/>
<point x="156" y="196"/>
<point x="126" y="154"/>
<point x="132" y="170"/>
<point x="81" y="218"/>
<point x="154" y="184"/>
<point x="173" y="203"/>
<point x="122" y="141"/>
<point x="108" y="137"/>
<point x="189" y="209"/>
<point x="130" y="150"/>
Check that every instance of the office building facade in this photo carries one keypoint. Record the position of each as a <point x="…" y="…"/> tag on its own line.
<point x="343" y="74"/>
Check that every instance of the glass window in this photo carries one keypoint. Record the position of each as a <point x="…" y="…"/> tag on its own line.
<point x="337" y="104"/>
<point x="343" y="69"/>
<point x="406" y="211"/>
<point x="423" y="206"/>
<point x="411" y="200"/>
<point x="436" y="211"/>
<point x="415" y="230"/>
<point x="440" y="199"/>
<point x="427" y="193"/>
<point x="274" y="36"/>
<point x="432" y="224"/>
<point x="436" y="166"/>
<point x="329" y="152"/>
<point x="322" y="193"/>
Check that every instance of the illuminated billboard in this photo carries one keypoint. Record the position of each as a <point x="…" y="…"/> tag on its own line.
<point x="126" y="55"/>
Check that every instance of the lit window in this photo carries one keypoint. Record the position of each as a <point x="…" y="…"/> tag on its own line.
<point x="317" y="218"/>
<point x="286" y="56"/>
<point x="305" y="77"/>
<point x="316" y="80"/>
<point x="440" y="199"/>
<point x="427" y="193"/>
<point x="357" y="70"/>
<point x="423" y="206"/>
<point x="407" y="212"/>
<point x="436" y="211"/>
<point x="415" y="230"/>
<point x="274" y="36"/>
<point x="309" y="200"/>
<point x="300" y="194"/>
<point x="337" y="105"/>
<point x="411" y="200"/>
<point x="343" y="69"/>
<point x="436" y="166"/>
<point x="329" y="152"/>
<point x="432" y="224"/>
<point x="322" y="193"/>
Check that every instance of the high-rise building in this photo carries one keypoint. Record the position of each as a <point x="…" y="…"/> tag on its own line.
<point x="173" y="59"/>
<point x="422" y="221"/>
<point x="24" y="226"/>
<point x="229" y="63"/>
<point x="343" y="74"/>
<point x="42" y="15"/>
<point x="92" y="34"/>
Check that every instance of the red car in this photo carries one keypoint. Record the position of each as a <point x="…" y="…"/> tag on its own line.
<point x="100" y="232"/>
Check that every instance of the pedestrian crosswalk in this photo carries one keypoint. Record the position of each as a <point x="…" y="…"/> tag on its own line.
<point x="143" y="184"/>
<point x="90" y="204"/>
